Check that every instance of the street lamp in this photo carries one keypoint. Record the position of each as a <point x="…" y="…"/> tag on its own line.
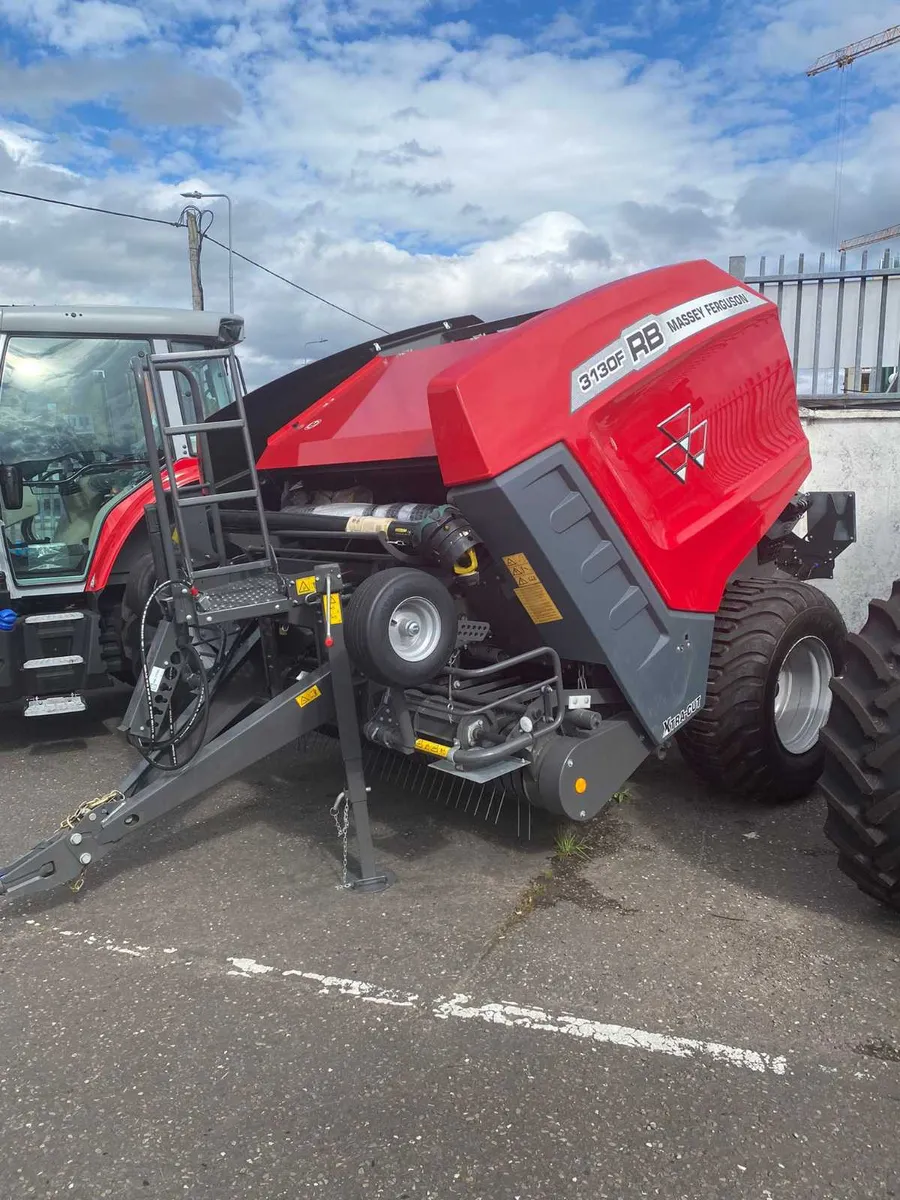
<point x="220" y="196"/>
<point x="313" y="342"/>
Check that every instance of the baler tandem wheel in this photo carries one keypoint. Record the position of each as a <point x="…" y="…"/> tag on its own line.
<point x="776" y="645"/>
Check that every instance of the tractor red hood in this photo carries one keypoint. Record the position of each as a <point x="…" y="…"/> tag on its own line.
<point x="379" y="413"/>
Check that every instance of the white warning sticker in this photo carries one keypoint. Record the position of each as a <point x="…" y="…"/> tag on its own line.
<point x="651" y="337"/>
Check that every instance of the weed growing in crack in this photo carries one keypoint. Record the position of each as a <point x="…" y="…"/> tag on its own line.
<point x="569" y="843"/>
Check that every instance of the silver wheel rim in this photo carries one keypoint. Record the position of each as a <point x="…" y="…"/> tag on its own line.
<point x="415" y="629"/>
<point x="803" y="694"/>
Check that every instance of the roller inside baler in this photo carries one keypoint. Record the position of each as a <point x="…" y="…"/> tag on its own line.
<point x="523" y="553"/>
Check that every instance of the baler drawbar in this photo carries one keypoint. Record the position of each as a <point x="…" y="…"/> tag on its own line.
<point x="524" y="554"/>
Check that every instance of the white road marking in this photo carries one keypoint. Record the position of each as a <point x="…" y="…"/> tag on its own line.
<point x="617" y="1035"/>
<point x="358" y="990"/>
<point x="248" y="967"/>
<point x="460" y="1007"/>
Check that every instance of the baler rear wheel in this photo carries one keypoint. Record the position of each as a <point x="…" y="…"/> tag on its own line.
<point x="861" y="780"/>
<point x="401" y="626"/>
<point x="776" y="646"/>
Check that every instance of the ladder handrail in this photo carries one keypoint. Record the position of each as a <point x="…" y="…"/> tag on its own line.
<point x="148" y="369"/>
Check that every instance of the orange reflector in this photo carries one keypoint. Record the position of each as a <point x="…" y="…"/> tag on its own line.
<point x="580" y="785"/>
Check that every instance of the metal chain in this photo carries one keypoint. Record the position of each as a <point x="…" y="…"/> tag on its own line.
<point x="342" y="823"/>
<point x="88" y="807"/>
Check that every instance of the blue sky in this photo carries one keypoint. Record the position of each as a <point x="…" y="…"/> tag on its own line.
<point x="414" y="159"/>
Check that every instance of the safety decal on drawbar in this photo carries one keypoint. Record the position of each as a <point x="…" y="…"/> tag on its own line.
<point x="646" y="340"/>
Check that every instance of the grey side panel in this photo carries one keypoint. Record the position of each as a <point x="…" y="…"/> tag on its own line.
<point x="547" y="509"/>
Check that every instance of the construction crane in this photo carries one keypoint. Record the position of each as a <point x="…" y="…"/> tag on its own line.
<point x="867" y="239"/>
<point x="849" y="54"/>
<point x="845" y="57"/>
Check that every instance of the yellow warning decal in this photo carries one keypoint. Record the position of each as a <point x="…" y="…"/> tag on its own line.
<point x="307" y="697"/>
<point x="369" y="524"/>
<point x="438" y="749"/>
<point x="306" y="585"/>
<point x="337" y="613"/>
<point x="531" y="593"/>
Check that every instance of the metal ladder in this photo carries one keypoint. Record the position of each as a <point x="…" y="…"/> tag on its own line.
<point x="222" y="589"/>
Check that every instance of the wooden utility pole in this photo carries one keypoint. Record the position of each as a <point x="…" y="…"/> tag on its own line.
<point x="193" y="232"/>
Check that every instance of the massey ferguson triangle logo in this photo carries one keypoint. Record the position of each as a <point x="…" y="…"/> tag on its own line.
<point x="688" y="443"/>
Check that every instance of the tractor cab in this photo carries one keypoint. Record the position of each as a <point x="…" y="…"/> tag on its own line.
<point x="72" y="443"/>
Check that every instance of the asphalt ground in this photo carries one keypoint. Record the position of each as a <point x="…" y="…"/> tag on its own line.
<point x="697" y="1004"/>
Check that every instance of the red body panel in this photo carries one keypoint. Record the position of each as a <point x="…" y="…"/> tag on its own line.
<point x="513" y="399"/>
<point x="121" y="521"/>
<point x="379" y="413"/>
<point x="485" y="405"/>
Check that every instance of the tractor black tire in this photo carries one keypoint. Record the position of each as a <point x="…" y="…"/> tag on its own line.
<point x="861" y="780"/>
<point x="733" y="741"/>
<point x="141" y="582"/>
<point x="368" y="619"/>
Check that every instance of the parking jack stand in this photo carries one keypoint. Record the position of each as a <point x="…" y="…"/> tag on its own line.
<point x="368" y="878"/>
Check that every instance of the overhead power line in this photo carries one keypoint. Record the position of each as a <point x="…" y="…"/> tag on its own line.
<point x="290" y="283"/>
<point x="111" y="212"/>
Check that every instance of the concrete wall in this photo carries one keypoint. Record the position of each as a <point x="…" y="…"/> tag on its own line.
<point x="859" y="451"/>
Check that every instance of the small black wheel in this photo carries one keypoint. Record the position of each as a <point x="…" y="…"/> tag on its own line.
<point x="400" y="626"/>
<point x="776" y="646"/>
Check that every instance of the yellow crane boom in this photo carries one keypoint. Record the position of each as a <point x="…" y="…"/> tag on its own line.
<point x="867" y="239"/>
<point x="848" y="54"/>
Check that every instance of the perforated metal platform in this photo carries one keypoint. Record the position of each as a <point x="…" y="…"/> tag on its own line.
<point x="257" y="595"/>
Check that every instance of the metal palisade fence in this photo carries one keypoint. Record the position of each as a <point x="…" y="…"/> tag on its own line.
<point x="841" y="324"/>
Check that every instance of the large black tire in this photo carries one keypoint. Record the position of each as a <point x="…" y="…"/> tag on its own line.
<point x="861" y="780"/>
<point x="733" y="742"/>
<point x="141" y="582"/>
<point x="368" y="624"/>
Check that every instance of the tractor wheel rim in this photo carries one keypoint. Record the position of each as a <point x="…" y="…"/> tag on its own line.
<point x="803" y="694"/>
<point x="415" y="629"/>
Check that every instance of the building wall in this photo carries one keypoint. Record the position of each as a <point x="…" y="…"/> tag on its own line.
<point x="859" y="450"/>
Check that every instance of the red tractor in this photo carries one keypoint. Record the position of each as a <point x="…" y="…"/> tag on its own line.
<point x="525" y="554"/>
<point x="74" y="482"/>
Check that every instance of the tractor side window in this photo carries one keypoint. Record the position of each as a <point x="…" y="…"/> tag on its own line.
<point x="212" y="379"/>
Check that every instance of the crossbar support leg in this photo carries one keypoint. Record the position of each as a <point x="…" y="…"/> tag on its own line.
<point x="370" y="878"/>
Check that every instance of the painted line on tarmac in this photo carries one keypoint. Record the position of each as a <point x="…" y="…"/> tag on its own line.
<point x="517" y="1016"/>
<point x="456" y="1007"/>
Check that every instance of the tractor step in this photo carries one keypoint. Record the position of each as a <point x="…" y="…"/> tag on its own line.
<point x="54" y="706"/>
<point x="54" y="618"/>
<point x="58" y="660"/>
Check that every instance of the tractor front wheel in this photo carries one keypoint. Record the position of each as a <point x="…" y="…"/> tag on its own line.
<point x="776" y="646"/>
<point x="861" y="780"/>
<point x="138" y="590"/>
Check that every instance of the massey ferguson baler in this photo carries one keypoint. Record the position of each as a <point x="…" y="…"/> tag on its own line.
<point x="526" y="554"/>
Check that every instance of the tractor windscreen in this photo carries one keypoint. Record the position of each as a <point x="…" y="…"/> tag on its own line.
<point x="70" y="429"/>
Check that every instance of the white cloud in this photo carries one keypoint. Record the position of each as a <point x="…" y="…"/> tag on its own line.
<point x="410" y="172"/>
<point x="76" y="25"/>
